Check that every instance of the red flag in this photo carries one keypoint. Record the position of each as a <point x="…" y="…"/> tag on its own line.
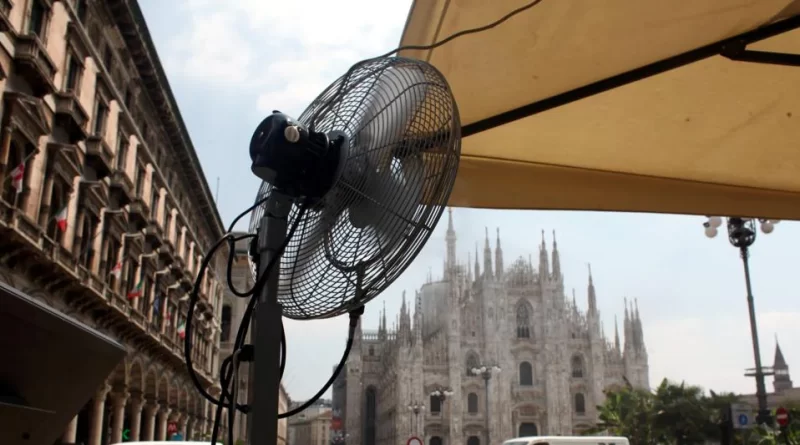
<point x="61" y="219"/>
<point x="18" y="177"/>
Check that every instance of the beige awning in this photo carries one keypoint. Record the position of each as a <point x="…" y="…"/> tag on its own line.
<point x="708" y="135"/>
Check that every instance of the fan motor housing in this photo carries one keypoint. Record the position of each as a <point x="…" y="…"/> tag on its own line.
<point x="306" y="167"/>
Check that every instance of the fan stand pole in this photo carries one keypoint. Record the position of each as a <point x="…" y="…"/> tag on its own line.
<point x="265" y="329"/>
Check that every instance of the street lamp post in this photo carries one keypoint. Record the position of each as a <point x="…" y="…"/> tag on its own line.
<point x="486" y="372"/>
<point x="742" y="235"/>
<point x="416" y="408"/>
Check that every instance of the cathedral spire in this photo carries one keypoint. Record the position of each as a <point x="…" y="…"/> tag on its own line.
<point x="616" y="334"/>
<point x="487" y="258"/>
<point x="477" y="266"/>
<point x="782" y="380"/>
<point x="592" y="293"/>
<point x="418" y="318"/>
<point x="450" y="239"/>
<point x="498" y="258"/>
<point x="556" y="259"/>
<point x="544" y="267"/>
<point x="626" y="327"/>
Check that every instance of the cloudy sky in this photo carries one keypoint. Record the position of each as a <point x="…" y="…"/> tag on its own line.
<point x="231" y="62"/>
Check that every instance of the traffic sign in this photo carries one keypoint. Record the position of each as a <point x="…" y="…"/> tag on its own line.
<point x="782" y="416"/>
<point x="743" y="420"/>
<point x="742" y="415"/>
<point x="414" y="440"/>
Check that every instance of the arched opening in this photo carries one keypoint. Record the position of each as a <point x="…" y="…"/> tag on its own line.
<point x="525" y="374"/>
<point x="577" y="366"/>
<point x="371" y="416"/>
<point x="226" y="323"/>
<point x="528" y="429"/>
<point x="523" y="320"/>
<point x="474" y="440"/>
<point x="435" y="440"/>
<point x="472" y="403"/>
<point x="371" y="350"/>
<point x="580" y="404"/>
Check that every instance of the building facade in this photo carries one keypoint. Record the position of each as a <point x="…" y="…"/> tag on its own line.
<point x="312" y="426"/>
<point x="554" y="360"/>
<point x="105" y="213"/>
<point x="233" y="309"/>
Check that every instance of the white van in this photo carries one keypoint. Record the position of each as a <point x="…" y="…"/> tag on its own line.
<point x="568" y="440"/>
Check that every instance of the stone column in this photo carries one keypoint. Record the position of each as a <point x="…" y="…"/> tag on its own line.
<point x="96" y="416"/>
<point x="136" y="404"/>
<point x="183" y="422"/>
<point x="163" y="418"/>
<point x="120" y="399"/>
<point x="149" y="429"/>
<point x="71" y="433"/>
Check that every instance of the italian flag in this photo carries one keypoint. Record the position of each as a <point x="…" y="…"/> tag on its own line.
<point x="18" y="177"/>
<point x="136" y="292"/>
<point x="117" y="270"/>
<point x="182" y="330"/>
<point x="61" y="219"/>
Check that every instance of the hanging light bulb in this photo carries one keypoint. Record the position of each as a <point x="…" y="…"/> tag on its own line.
<point x="714" y="221"/>
<point x="767" y="227"/>
<point x="711" y="232"/>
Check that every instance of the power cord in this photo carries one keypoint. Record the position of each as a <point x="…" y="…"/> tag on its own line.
<point x="230" y="365"/>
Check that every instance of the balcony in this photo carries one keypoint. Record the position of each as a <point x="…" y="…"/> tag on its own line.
<point x="99" y="156"/>
<point x="152" y="234"/>
<point x="137" y="214"/>
<point x="34" y="65"/>
<point x="71" y="116"/>
<point x="5" y="12"/>
<point x="121" y="188"/>
<point x="47" y="264"/>
<point x="187" y="283"/>
<point x="94" y="195"/>
<point x="166" y="253"/>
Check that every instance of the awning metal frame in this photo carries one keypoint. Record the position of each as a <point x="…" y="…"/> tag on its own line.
<point x="733" y="48"/>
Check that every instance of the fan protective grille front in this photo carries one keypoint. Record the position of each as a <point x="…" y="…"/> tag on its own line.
<point x="399" y="169"/>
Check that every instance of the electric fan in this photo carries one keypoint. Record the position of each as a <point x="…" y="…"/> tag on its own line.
<point x="362" y="177"/>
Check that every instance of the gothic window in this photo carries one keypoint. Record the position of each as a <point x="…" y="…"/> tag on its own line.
<point x="473" y="440"/>
<point x="527" y="429"/>
<point x="371" y="351"/>
<point x="59" y="198"/>
<point x="371" y="417"/>
<point x="436" y="404"/>
<point x="472" y="362"/>
<point x="85" y="246"/>
<point x="435" y="440"/>
<point x="130" y="278"/>
<point x="155" y="198"/>
<point x="110" y="261"/>
<point x="472" y="403"/>
<point x="577" y="366"/>
<point x="37" y="19"/>
<point x="523" y="320"/>
<point x="580" y="404"/>
<point x="525" y="374"/>
<point x="226" y="323"/>
<point x="139" y="180"/>
<point x="16" y="156"/>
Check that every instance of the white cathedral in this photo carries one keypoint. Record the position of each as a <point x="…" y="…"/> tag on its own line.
<point x="551" y="361"/>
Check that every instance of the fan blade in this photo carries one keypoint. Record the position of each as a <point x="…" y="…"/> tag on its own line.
<point x="395" y="97"/>
<point x="391" y="200"/>
<point x="400" y="206"/>
<point x="312" y="241"/>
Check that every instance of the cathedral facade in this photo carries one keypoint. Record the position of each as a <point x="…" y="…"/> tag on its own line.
<point x="547" y="362"/>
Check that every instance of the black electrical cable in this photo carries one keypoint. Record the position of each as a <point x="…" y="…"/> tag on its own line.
<point x="227" y="364"/>
<point x="448" y="39"/>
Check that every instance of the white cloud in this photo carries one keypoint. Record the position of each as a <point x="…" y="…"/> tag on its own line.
<point x="283" y="56"/>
